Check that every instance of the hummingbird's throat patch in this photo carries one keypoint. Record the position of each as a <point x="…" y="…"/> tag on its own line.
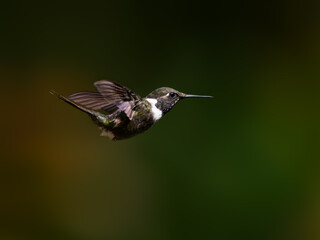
<point x="156" y="112"/>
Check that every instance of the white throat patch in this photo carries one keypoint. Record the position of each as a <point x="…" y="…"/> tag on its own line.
<point x="156" y="112"/>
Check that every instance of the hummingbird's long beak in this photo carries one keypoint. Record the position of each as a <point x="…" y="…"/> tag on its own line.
<point x="196" y="96"/>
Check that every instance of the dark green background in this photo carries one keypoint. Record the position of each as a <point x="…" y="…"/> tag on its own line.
<point x="242" y="166"/>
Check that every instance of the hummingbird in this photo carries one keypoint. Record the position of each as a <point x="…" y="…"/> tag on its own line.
<point x="119" y="112"/>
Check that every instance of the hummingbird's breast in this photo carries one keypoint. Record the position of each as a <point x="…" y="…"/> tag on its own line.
<point x="142" y="120"/>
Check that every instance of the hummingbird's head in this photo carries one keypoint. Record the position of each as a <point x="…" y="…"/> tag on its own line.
<point x="168" y="97"/>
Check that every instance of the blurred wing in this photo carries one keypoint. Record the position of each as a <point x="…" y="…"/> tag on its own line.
<point x="117" y="96"/>
<point x="111" y="97"/>
<point x="92" y="100"/>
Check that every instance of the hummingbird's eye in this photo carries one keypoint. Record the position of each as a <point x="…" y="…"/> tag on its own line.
<point x="172" y="94"/>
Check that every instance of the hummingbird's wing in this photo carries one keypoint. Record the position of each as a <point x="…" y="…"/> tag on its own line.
<point x="92" y="100"/>
<point x="111" y="97"/>
<point x="118" y="97"/>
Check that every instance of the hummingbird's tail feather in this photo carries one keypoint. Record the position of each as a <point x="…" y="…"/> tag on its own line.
<point x="86" y="110"/>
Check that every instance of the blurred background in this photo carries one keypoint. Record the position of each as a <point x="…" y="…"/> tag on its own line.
<point x="242" y="166"/>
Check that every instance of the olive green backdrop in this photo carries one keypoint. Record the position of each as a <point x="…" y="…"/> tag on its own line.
<point x="244" y="165"/>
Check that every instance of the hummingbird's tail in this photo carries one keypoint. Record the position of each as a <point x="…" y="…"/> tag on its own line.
<point x="86" y="110"/>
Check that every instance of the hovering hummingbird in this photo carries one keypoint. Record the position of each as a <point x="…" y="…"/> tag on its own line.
<point x="128" y="113"/>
